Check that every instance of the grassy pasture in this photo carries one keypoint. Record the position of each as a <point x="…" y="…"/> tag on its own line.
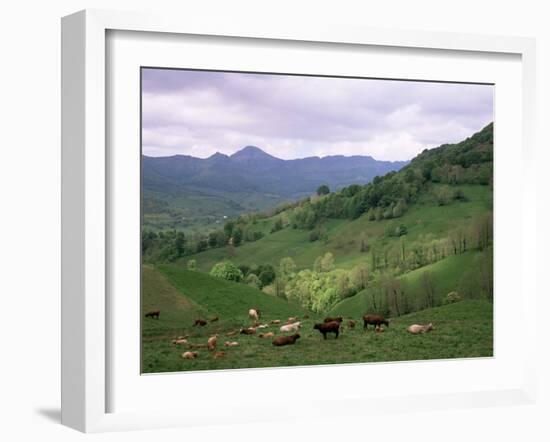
<point x="462" y="330"/>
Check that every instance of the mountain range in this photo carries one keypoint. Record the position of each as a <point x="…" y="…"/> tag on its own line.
<point x="253" y="170"/>
<point x="247" y="180"/>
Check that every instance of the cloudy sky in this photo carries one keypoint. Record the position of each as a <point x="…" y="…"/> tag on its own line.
<point x="200" y="113"/>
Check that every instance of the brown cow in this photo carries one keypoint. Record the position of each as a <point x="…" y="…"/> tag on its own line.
<point x="189" y="355"/>
<point x="375" y="320"/>
<point x="218" y="354"/>
<point x="248" y="331"/>
<point x="214" y="319"/>
<point x="328" y="327"/>
<point x="153" y="314"/>
<point x="200" y="322"/>
<point x="285" y="340"/>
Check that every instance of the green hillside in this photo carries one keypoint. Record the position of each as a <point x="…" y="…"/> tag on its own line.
<point x="344" y="236"/>
<point x="448" y="275"/>
<point x="462" y="330"/>
<point x="226" y="299"/>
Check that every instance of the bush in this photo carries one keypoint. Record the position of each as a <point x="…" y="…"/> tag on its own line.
<point x="253" y="280"/>
<point x="444" y="195"/>
<point x="227" y="270"/>
<point x="452" y="297"/>
<point x="192" y="264"/>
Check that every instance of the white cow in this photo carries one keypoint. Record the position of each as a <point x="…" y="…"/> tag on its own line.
<point x="254" y="314"/>
<point x="294" y="327"/>
<point x="417" y="328"/>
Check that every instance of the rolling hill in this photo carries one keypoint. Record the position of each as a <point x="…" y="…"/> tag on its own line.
<point x="344" y="236"/>
<point x="463" y="329"/>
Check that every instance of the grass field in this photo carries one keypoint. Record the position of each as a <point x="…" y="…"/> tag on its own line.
<point x="447" y="276"/>
<point x="344" y="236"/>
<point x="463" y="329"/>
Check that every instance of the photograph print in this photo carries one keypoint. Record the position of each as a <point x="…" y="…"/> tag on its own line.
<point x="297" y="220"/>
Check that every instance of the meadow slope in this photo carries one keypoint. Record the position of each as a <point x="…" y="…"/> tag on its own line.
<point x="344" y="236"/>
<point x="463" y="329"/>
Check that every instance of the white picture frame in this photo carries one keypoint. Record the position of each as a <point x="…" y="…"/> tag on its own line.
<point x="87" y="204"/>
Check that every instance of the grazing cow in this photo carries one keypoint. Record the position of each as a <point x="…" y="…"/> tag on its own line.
<point x="275" y="321"/>
<point x="351" y="323"/>
<point x="331" y="319"/>
<point x="375" y="320"/>
<point x="262" y="326"/>
<point x="179" y="341"/>
<point x="291" y="327"/>
<point x="219" y="354"/>
<point x="285" y="340"/>
<point x="153" y="314"/>
<point x="416" y="328"/>
<point x="233" y="332"/>
<point x="200" y="322"/>
<point x="189" y="355"/>
<point x="266" y="335"/>
<point x="214" y="319"/>
<point x="231" y="344"/>
<point x="212" y="342"/>
<point x="254" y="314"/>
<point x="292" y="319"/>
<point x="328" y="327"/>
<point x="248" y="331"/>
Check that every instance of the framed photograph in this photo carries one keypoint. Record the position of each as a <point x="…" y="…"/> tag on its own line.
<point x="284" y="209"/>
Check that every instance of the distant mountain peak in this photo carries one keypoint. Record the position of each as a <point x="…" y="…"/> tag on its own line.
<point x="251" y="153"/>
<point x="217" y="155"/>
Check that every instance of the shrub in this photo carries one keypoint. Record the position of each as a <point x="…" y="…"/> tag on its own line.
<point x="253" y="280"/>
<point x="227" y="270"/>
<point x="452" y="297"/>
<point x="192" y="264"/>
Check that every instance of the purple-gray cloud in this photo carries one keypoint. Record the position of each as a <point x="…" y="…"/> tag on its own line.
<point x="199" y="113"/>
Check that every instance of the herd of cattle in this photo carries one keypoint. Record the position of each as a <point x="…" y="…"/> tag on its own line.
<point x="292" y="325"/>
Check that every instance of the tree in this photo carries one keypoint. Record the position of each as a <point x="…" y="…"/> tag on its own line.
<point x="266" y="273"/>
<point x="444" y="195"/>
<point x="217" y="239"/>
<point x="226" y="270"/>
<point x="399" y="209"/>
<point x="323" y="190"/>
<point x="202" y="245"/>
<point x="324" y="263"/>
<point x="428" y="288"/>
<point x="228" y="228"/>
<point x="277" y="226"/>
<point x="253" y="281"/>
<point x="192" y="264"/>
<point x="237" y="236"/>
<point x="180" y="243"/>
<point x="360" y="276"/>
<point x="287" y="267"/>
